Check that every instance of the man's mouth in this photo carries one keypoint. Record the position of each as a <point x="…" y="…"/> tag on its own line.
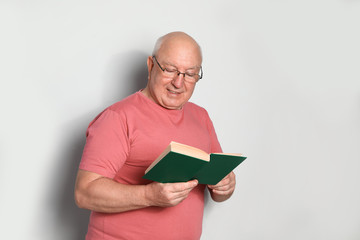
<point x="174" y="92"/>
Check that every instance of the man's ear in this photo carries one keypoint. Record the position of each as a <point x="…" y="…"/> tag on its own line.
<point x="150" y="65"/>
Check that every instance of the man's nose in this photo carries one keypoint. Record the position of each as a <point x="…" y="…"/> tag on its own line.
<point x="178" y="81"/>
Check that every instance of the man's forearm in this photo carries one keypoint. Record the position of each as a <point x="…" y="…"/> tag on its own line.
<point x="101" y="194"/>
<point x="105" y="195"/>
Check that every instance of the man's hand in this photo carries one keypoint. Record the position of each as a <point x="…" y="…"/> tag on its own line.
<point x="224" y="189"/>
<point x="168" y="194"/>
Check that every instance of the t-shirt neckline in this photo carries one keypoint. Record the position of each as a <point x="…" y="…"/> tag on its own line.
<point x="174" y="111"/>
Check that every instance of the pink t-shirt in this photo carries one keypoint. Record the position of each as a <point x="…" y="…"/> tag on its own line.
<point x="122" y="142"/>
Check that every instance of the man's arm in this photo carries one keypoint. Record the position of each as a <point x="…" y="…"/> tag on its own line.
<point x="224" y="189"/>
<point x="101" y="194"/>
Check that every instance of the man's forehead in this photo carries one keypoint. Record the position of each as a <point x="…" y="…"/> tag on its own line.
<point x="179" y="51"/>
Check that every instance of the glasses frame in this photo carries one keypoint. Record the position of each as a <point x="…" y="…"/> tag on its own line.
<point x="178" y="72"/>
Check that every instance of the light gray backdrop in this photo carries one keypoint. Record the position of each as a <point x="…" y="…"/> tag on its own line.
<point x="281" y="83"/>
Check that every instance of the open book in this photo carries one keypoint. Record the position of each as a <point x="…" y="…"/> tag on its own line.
<point x="181" y="163"/>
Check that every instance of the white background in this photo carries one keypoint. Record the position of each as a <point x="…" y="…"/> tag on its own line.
<point x="281" y="83"/>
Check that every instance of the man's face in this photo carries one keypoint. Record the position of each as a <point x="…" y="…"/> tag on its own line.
<point x="173" y="93"/>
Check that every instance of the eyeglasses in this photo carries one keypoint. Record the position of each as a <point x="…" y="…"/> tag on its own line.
<point x="190" y="77"/>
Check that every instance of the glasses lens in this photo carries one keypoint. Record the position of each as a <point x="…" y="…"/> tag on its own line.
<point x="191" y="78"/>
<point x="171" y="73"/>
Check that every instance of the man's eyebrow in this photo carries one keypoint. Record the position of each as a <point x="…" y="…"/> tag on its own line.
<point x="172" y="65"/>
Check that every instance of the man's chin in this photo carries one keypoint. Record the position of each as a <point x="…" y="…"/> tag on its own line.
<point x="171" y="105"/>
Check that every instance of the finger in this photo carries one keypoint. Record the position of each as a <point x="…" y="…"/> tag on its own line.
<point x="220" y="192"/>
<point x="184" y="186"/>
<point x="224" y="188"/>
<point x="178" y="196"/>
<point x="224" y="182"/>
<point x="227" y="188"/>
<point x="227" y="180"/>
<point x="192" y="183"/>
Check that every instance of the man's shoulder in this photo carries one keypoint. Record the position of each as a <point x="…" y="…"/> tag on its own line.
<point x="123" y="108"/>
<point x="125" y="104"/>
<point x="196" y="110"/>
<point x="194" y="107"/>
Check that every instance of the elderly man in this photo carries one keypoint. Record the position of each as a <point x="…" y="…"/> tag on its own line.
<point x="126" y="137"/>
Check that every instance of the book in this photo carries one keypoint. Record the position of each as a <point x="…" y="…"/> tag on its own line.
<point x="182" y="163"/>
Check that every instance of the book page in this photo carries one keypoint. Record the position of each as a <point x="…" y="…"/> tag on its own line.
<point x="188" y="150"/>
<point x="230" y="154"/>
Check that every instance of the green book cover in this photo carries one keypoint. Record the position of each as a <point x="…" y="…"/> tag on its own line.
<point x="181" y="163"/>
<point x="219" y="166"/>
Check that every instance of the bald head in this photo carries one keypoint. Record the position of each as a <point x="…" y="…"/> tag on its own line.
<point x="177" y="53"/>
<point x="174" y="39"/>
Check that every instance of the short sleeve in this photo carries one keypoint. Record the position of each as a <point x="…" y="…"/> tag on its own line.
<point x="215" y="145"/>
<point x="107" y="144"/>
